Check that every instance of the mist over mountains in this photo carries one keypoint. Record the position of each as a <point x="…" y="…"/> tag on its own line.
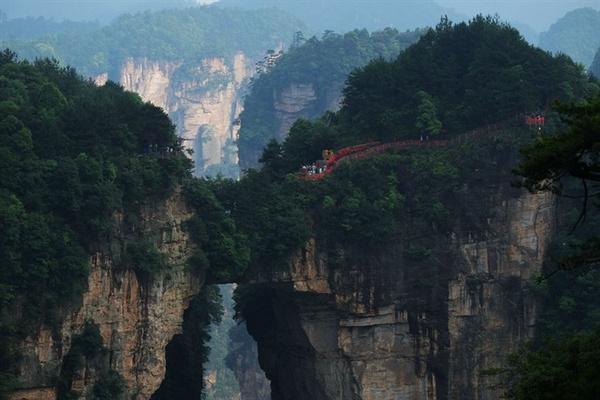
<point x="530" y="16"/>
<point x="91" y="10"/>
<point x="345" y="15"/>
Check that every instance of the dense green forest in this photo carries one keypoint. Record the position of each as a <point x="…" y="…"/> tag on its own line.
<point x="71" y="155"/>
<point x="325" y="64"/>
<point x="172" y="35"/>
<point x="475" y="74"/>
<point x="346" y="15"/>
<point x="577" y="34"/>
<point x="489" y="76"/>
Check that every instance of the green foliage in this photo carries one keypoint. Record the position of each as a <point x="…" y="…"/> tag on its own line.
<point x="566" y="164"/>
<point x="552" y="162"/>
<point x="476" y="73"/>
<point x="72" y="154"/>
<point x="577" y="34"/>
<point x="189" y="35"/>
<point x="427" y="122"/>
<point x="322" y="63"/>
<point x="361" y="204"/>
<point x="144" y="258"/>
<point x="563" y="369"/>
<point x="573" y="153"/>
<point x="110" y="386"/>
<point x="224" y="253"/>
<point x="270" y="213"/>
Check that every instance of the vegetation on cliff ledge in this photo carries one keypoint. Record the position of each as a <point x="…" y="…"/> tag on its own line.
<point x="72" y="157"/>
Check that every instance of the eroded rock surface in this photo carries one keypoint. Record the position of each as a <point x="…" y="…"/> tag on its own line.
<point x="385" y="327"/>
<point x="203" y="100"/>
<point x="137" y="316"/>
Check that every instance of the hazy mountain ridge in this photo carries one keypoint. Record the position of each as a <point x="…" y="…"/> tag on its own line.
<point x="577" y="34"/>
<point x="345" y="15"/>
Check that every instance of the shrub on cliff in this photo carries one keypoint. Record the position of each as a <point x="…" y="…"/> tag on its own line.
<point x="563" y="369"/>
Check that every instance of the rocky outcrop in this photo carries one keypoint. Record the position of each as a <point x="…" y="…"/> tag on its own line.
<point x="295" y="101"/>
<point x="137" y="316"/>
<point x="392" y="326"/>
<point x="302" y="101"/>
<point x="206" y="110"/>
<point x="203" y="100"/>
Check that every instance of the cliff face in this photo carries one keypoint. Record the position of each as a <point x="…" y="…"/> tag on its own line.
<point x="295" y="101"/>
<point x="136" y="317"/>
<point x="385" y="327"/>
<point x="301" y="101"/>
<point x="203" y="100"/>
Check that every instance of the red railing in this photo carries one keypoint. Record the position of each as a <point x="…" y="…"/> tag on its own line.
<point x="372" y="148"/>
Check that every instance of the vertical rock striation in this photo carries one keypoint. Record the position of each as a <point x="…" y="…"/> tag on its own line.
<point x="383" y="326"/>
<point x="137" y="316"/>
<point x="204" y="101"/>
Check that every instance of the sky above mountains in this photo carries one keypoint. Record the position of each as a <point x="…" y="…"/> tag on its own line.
<point x="537" y="14"/>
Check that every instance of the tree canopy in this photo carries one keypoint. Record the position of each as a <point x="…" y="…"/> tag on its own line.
<point x="476" y="73"/>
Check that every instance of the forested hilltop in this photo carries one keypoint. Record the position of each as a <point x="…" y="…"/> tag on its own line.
<point x="321" y="65"/>
<point x="577" y="34"/>
<point x="187" y="35"/>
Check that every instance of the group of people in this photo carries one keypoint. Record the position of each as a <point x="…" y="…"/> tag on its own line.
<point x="314" y="169"/>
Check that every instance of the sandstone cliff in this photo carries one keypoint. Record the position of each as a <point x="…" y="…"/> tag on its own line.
<point x="302" y="101"/>
<point x="136" y="316"/>
<point x="203" y="100"/>
<point x="286" y="106"/>
<point x="383" y="326"/>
